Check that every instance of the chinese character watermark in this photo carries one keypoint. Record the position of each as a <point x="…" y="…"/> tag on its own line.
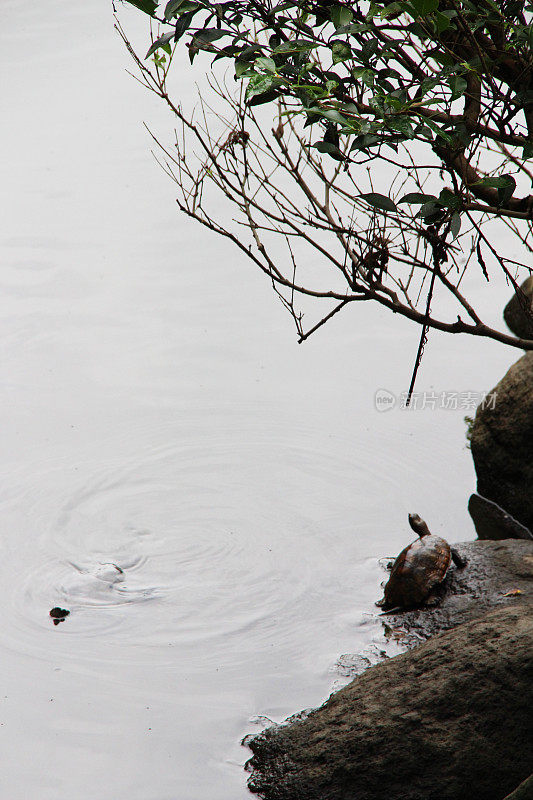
<point x="446" y="400"/>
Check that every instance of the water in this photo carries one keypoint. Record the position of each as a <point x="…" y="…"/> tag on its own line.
<point x="158" y="416"/>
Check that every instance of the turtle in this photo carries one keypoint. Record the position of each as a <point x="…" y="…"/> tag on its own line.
<point x="419" y="568"/>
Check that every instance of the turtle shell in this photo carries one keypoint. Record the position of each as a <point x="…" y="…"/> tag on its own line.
<point x="418" y="569"/>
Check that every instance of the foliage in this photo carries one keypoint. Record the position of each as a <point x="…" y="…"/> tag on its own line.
<point x="440" y="92"/>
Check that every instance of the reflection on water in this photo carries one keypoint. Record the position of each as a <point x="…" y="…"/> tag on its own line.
<point x="208" y="499"/>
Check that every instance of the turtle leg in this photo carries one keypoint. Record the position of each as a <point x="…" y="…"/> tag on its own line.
<point x="458" y="560"/>
<point x="432" y="600"/>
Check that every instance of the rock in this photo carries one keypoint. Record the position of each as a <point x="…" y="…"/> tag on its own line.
<point x="518" y="313"/>
<point x="522" y="792"/>
<point x="493" y="522"/>
<point x="449" y="720"/>
<point x="502" y="443"/>
<point x="495" y="571"/>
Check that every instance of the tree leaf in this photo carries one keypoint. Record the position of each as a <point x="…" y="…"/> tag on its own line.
<point x="449" y="199"/>
<point x="425" y="7"/>
<point x="296" y="46"/>
<point x="380" y="201"/>
<point x="457" y="85"/>
<point x="341" y="51"/>
<point x="159" y="43"/>
<point x="505" y="184"/>
<point x="176" y="7"/>
<point x="365" y="140"/>
<point x="455" y="225"/>
<point x="148" y="6"/>
<point x="182" y="25"/>
<point x="340" y="16"/>
<point x="259" y="84"/>
<point x="203" y="39"/>
<point x="331" y="149"/>
<point x="417" y="198"/>
<point x="268" y="64"/>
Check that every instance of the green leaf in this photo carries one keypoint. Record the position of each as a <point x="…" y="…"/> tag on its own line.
<point x="429" y="210"/>
<point x="527" y="152"/>
<point x="380" y="201"/>
<point x="331" y="149"/>
<point x="332" y="115"/>
<point x="267" y="64"/>
<point x="296" y="46"/>
<point x="457" y="85"/>
<point x="442" y="22"/>
<point x="340" y="16"/>
<point x="366" y="75"/>
<point x="498" y="182"/>
<point x="455" y="225"/>
<point x="505" y="184"/>
<point x="178" y="7"/>
<point x="266" y="97"/>
<point x="244" y="69"/>
<point x="449" y="199"/>
<point x="259" y="84"/>
<point x="364" y="141"/>
<point x="340" y="51"/>
<point x="369" y="49"/>
<point x="425" y="7"/>
<point x="438" y="130"/>
<point x="148" y="6"/>
<point x="417" y="198"/>
<point x="203" y="39"/>
<point x="183" y="23"/>
<point x="160" y="43"/>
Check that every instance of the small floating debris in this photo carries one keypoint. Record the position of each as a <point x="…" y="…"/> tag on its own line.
<point x="59" y="614"/>
<point x="512" y="593"/>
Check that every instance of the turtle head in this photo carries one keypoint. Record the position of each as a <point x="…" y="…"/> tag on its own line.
<point x="418" y="525"/>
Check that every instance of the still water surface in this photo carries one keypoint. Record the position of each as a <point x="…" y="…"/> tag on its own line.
<point x="157" y="414"/>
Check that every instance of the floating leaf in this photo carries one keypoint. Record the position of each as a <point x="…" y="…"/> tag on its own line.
<point x="380" y="201"/>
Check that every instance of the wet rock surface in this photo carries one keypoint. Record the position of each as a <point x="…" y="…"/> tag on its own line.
<point x="522" y="792"/>
<point x="494" y="573"/>
<point x="502" y="443"/>
<point x="449" y="719"/>
<point x="493" y="522"/>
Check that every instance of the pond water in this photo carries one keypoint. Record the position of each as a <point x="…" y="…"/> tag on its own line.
<point x="157" y="414"/>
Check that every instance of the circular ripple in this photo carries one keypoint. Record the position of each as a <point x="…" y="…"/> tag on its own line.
<point x="231" y="540"/>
